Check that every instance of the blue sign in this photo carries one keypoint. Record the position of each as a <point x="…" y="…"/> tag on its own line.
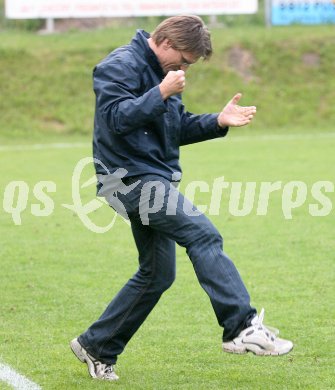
<point x="302" y="12"/>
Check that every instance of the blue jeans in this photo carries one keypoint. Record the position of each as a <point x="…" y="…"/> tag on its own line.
<point x="156" y="229"/>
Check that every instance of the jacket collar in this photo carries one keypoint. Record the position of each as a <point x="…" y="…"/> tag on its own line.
<point x="140" y="42"/>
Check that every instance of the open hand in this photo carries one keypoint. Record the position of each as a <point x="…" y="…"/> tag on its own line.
<point x="234" y="115"/>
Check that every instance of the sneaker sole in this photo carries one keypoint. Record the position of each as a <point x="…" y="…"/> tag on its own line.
<point x="79" y="352"/>
<point x="236" y="351"/>
<point x="255" y="349"/>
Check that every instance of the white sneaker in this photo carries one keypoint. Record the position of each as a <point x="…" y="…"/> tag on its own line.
<point x="96" y="368"/>
<point x="258" y="339"/>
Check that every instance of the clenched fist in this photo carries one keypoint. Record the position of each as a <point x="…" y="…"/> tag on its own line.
<point x="172" y="84"/>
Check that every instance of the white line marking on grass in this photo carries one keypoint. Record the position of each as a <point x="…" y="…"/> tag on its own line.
<point x="16" y="380"/>
<point x="243" y="138"/>
<point x="10" y="148"/>
<point x="280" y="137"/>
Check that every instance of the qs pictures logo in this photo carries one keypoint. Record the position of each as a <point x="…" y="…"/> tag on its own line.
<point x="85" y="210"/>
<point x="239" y="198"/>
<point x="19" y="197"/>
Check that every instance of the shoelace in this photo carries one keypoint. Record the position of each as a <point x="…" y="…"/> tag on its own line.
<point x="109" y="371"/>
<point x="267" y="329"/>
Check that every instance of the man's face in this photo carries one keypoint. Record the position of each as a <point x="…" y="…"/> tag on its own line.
<point x="173" y="59"/>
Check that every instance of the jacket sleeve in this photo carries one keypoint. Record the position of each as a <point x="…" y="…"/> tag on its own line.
<point x="197" y="128"/>
<point x="120" y="101"/>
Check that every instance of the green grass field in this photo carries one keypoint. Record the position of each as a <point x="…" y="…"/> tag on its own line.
<point x="57" y="276"/>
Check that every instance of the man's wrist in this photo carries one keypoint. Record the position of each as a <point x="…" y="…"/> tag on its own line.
<point x="221" y="129"/>
<point x="163" y="92"/>
<point x="220" y="125"/>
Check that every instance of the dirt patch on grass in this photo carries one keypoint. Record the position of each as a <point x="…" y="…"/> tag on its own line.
<point x="53" y="124"/>
<point x="242" y="62"/>
<point x="311" y="60"/>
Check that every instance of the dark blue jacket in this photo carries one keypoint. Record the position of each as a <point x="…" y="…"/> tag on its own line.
<point x="134" y="128"/>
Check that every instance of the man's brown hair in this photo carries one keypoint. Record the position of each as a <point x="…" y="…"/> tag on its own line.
<point x="186" y="33"/>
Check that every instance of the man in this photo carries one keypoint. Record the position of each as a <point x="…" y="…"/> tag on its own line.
<point x="140" y="123"/>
